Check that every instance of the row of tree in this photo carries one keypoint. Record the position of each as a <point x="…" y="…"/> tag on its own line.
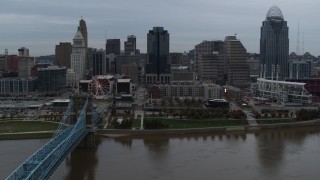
<point x="179" y="102"/>
<point x="302" y="114"/>
<point x="211" y="113"/>
<point x="305" y="114"/>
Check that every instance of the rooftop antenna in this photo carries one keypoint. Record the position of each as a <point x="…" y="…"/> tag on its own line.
<point x="298" y="40"/>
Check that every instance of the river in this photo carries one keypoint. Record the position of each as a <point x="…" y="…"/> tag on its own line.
<point x="268" y="154"/>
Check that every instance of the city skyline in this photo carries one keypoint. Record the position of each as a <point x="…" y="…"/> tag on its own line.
<point x="40" y="26"/>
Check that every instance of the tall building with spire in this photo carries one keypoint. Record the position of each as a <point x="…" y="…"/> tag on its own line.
<point x="78" y="55"/>
<point x="274" y="45"/>
<point x="83" y="30"/>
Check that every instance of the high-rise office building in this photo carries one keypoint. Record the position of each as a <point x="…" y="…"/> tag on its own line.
<point x="131" y="70"/>
<point x="205" y="53"/>
<point x="83" y="29"/>
<point x="78" y="55"/>
<point x="130" y="45"/>
<point x="207" y="48"/>
<point x="209" y="67"/>
<point x="51" y="78"/>
<point x="99" y="66"/>
<point x="63" y="54"/>
<point x="237" y="69"/>
<point x="274" y="45"/>
<point x="124" y="60"/>
<point x="113" y="46"/>
<point x="158" y="68"/>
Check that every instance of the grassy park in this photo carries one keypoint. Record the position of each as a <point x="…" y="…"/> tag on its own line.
<point x="26" y="129"/>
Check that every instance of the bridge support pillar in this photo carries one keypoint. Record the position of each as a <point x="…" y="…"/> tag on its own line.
<point x="88" y="141"/>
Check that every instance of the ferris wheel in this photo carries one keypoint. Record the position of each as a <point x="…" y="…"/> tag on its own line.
<point x="100" y="85"/>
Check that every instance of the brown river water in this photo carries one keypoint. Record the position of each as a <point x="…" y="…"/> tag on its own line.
<point x="269" y="154"/>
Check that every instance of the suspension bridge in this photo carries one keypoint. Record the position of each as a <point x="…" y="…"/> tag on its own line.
<point x="43" y="163"/>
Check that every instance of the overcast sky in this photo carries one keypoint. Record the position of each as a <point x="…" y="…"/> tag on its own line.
<point x="41" y="24"/>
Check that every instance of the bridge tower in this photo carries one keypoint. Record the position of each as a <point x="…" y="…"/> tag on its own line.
<point x="78" y="102"/>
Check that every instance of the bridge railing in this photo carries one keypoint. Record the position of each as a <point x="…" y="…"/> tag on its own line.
<point x="36" y="159"/>
<point x="41" y="162"/>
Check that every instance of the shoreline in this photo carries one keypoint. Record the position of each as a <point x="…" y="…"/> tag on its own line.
<point x="114" y="133"/>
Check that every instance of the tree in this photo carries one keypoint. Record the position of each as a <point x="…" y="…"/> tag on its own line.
<point x="113" y="112"/>
<point x="257" y="115"/>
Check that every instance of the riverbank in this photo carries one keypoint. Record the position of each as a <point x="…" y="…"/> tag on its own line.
<point x="47" y="129"/>
<point x="247" y="128"/>
<point x="15" y="129"/>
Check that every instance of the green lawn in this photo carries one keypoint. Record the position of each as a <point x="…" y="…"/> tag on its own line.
<point x="25" y="136"/>
<point x="26" y="126"/>
<point x="179" y="124"/>
<point x="136" y="123"/>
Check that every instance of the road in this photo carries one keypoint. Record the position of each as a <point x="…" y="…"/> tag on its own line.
<point x="250" y="117"/>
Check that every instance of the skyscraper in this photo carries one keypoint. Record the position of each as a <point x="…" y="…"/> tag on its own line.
<point x="237" y="69"/>
<point x="113" y="46"/>
<point x="63" y="54"/>
<point x="83" y="29"/>
<point x="202" y="52"/>
<point x="158" y="68"/>
<point x="130" y="45"/>
<point x="78" y="55"/>
<point x="274" y="45"/>
<point x="99" y="66"/>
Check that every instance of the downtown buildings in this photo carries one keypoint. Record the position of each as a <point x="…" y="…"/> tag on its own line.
<point x="221" y="61"/>
<point x="274" y="53"/>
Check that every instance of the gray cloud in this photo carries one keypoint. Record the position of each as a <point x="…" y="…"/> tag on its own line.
<point x="40" y="25"/>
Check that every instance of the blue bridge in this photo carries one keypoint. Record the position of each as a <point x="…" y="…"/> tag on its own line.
<point x="68" y="135"/>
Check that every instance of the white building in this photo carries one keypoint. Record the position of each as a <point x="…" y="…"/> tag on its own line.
<point x="78" y="55"/>
<point x="282" y="92"/>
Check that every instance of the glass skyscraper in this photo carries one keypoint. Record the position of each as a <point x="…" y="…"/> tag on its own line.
<point x="274" y="45"/>
<point x="158" y="55"/>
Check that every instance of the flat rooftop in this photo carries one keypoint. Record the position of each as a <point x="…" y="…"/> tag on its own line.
<point x="124" y="80"/>
<point x="61" y="101"/>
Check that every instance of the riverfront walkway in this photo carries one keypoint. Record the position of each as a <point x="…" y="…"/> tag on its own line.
<point x="250" y="118"/>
